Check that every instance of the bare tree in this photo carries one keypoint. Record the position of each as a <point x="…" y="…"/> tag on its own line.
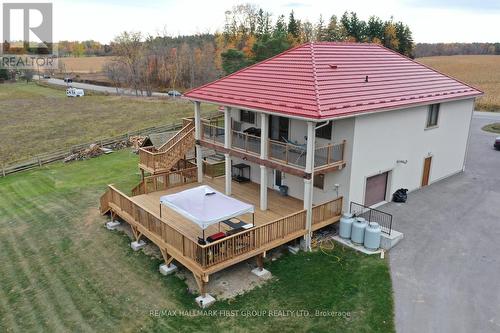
<point x="129" y="49"/>
<point x="116" y="73"/>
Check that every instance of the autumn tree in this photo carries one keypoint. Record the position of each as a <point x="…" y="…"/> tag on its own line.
<point x="390" y="39"/>
<point x="128" y="49"/>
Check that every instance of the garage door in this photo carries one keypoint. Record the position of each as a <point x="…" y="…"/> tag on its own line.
<point x="376" y="188"/>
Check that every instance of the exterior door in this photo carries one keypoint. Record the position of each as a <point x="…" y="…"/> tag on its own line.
<point x="278" y="128"/>
<point x="277" y="179"/>
<point x="376" y="188"/>
<point x="427" y="171"/>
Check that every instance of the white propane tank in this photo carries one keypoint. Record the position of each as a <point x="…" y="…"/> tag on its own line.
<point x="373" y="232"/>
<point x="358" y="231"/>
<point x="346" y="222"/>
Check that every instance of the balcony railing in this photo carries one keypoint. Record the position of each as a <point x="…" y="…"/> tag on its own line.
<point x="329" y="154"/>
<point x="282" y="152"/>
<point x="247" y="142"/>
<point x="294" y="154"/>
<point x="212" y="133"/>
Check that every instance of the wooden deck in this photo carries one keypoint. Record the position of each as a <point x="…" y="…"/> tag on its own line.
<point x="278" y="206"/>
<point x="176" y="236"/>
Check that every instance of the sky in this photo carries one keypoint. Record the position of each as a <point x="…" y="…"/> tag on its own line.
<point x="431" y="21"/>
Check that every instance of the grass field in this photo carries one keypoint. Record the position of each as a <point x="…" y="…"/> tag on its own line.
<point x="481" y="71"/>
<point x="38" y="119"/>
<point x="62" y="271"/>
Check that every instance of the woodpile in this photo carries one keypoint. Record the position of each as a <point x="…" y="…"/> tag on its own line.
<point x="93" y="150"/>
<point x="136" y="141"/>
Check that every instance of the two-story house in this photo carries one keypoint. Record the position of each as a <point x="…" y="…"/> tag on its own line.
<point x="324" y="124"/>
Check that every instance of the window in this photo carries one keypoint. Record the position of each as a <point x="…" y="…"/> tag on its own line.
<point x="433" y="115"/>
<point x="319" y="181"/>
<point x="247" y="116"/>
<point x="325" y="132"/>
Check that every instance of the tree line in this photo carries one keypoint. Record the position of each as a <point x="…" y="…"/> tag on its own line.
<point x="250" y="34"/>
<point x="175" y="62"/>
<point x="446" y="49"/>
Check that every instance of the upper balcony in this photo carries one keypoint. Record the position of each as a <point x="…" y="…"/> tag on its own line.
<point x="326" y="156"/>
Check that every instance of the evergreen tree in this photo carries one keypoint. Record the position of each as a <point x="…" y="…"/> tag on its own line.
<point x="334" y="32"/>
<point x="293" y="26"/>
<point x="320" y="30"/>
<point x="375" y="29"/>
<point x="280" y="29"/>
<point x="233" y="60"/>
<point x="269" y="47"/>
<point x="355" y="28"/>
<point x="405" y="39"/>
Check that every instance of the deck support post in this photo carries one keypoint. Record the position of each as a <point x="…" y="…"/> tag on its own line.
<point x="227" y="145"/>
<point x="308" y="182"/>
<point x="168" y="258"/>
<point x="197" y="136"/>
<point x="260" y="261"/>
<point x="201" y="281"/>
<point x="264" y="154"/>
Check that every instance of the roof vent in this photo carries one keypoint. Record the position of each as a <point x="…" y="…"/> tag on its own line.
<point x="366" y="78"/>
<point x="333" y="66"/>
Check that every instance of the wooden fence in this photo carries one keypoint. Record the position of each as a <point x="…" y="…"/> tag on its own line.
<point x="61" y="154"/>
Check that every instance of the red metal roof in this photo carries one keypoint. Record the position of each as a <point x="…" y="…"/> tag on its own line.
<point x="327" y="80"/>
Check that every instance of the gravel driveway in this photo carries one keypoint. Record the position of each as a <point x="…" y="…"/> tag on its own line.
<point x="446" y="272"/>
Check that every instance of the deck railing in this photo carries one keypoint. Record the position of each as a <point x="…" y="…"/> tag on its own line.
<point x="329" y="154"/>
<point x="244" y="244"/>
<point x="278" y="231"/>
<point x="159" y="229"/>
<point x="212" y="133"/>
<point x="327" y="211"/>
<point x="167" y="180"/>
<point x="158" y="161"/>
<point x="295" y="154"/>
<point x="247" y="142"/>
<point x="188" y="126"/>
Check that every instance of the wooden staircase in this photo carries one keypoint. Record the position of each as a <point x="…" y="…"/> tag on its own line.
<point x="162" y="160"/>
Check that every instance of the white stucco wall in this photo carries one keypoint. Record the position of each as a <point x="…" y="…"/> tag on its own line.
<point x="383" y="138"/>
<point x="342" y="129"/>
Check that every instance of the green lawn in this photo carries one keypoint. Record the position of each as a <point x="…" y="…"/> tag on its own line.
<point x="494" y="128"/>
<point x="38" y="119"/>
<point x="62" y="271"/>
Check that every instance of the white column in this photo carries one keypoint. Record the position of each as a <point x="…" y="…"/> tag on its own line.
<point x="197" y="136"/>
<point x="263" y="187"/>
<point x="264" y="129"/>
<point x="308" y="183"/>
<point x="227" y="145"/>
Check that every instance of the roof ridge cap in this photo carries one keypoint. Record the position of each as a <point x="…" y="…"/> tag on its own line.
<point x="315" y="78"/>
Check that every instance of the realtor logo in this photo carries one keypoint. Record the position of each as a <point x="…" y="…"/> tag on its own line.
<point x="27" y="36"/>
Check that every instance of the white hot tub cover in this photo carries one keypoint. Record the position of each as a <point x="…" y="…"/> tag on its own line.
<point x="203" y="208"/>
